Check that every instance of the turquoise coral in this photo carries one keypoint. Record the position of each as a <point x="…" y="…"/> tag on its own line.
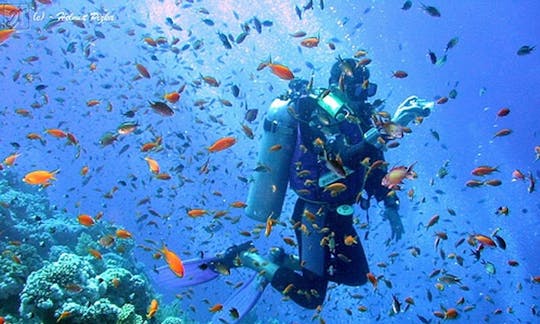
<point x="72" y="285"/>
<point x="41" y="278"/>
<point x="47" y="288"/>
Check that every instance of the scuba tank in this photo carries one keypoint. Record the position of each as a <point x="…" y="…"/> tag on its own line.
<point x="269" y="182"/>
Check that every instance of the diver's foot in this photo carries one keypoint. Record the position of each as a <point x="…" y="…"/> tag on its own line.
<point x="231" y="257"/>
<point x="277" y="255"/>
<point x="254" y="261"/>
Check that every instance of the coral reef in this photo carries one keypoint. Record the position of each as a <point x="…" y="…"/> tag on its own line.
<point x="47" y="272"/>
<point x="71" y="285"/>
<point x="46" y="289"/>
<point x="173" y="320"/>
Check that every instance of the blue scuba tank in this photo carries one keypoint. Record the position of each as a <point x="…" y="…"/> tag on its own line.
<point x="269" y="182"/>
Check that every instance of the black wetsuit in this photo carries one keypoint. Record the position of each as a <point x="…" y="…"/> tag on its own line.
<point x="344" y="264"/>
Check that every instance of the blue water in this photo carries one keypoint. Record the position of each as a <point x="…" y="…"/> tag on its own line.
<point x="483" y="68"/>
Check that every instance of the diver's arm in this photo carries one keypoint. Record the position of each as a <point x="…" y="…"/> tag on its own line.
<point x="412" y="108"/>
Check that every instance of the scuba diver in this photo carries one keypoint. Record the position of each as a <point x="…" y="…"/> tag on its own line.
<point x="325" y="136"/>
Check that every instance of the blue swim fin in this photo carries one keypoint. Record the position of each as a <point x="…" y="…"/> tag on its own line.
<point x="198" y="271"/>
<point x="239" y="304"/>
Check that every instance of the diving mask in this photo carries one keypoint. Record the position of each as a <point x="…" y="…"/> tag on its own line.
<point x="333" y="105"/>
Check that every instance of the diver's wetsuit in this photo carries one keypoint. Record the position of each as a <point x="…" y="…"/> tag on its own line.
<point x="322" y="262"/>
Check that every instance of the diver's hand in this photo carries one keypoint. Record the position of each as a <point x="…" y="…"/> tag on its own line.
<point x="392" y="215"/>
<point x="411" y="108"/>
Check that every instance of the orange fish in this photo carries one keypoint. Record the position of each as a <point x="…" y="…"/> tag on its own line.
<point x="58" y="133"/>
<point x="441" y="100"/>
<point x="152" y="309"/>
<point x="122" y="233"/>
<point x="35" y="136"/>
<point x="64" y="314"/>
<point x="288" y="289"/>
<point x="248" y="131"/>
<point x="86" y="220"/>
<point x="143" y="71"/>
<point x="432" y="221"/>
<point x="115" y="282"/>
<point x="220" y="213"/>
<point x="400" y="74"/>
<point x="163" y="176"/>
<point x="374" y="281"/>
<point x="71" y="139"/>
<point x="211" y="81"/>
<point x="95" y="253"/>
<point x="450" y="313"/>
<point x="40" y="177"/>
<point x="174" y="262"/>
<point x="84" y="170"/>
<point x="503" y="112"/>
<point x="493" y="182"/>
<point x="92" y="102"/>
<point x="396" y="175"/>
<point x="483" y="170"/>
<point x="23" y="112"/>
<point x="8" y="10"/>
<point x="5" y="34"/>
<point x="10" y="160"/>
<point x="216" y="308"/>
<point x="360" y="53"/>
<point x="150" y="41"/>
<point x="152" y="164"/>
<point x="335" y="188"/>
<point x="238" y="204"/>
<point x="172" y="97"/>
<point x="197" y="212"/>
<point x="350" y="240"/>
<point x="222" y="144"/>
<point x="363" y="62"/>
<point x="281" y="71"/>
<point x="485" y="240"/>
<point x="148" y="146"/>
<point x="270" y="222"/>
<point x="310" y="42"/>
<point x="503" y="132"/>
<point x="474" y="183"/>
<point x="517" y="175"/>
<point x="513" y="263"/>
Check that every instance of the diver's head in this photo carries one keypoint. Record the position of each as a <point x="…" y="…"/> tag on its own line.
<point x="354" y="76"/>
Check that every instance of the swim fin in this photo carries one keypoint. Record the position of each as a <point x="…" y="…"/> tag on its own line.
<point x="197" y="271"/>
<point x="200" y="270"/>
<point x="239" y="304"/>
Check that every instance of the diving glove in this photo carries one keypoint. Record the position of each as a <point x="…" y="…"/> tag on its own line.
<point x="411" y="108"/>
<point x="392" y="215"/>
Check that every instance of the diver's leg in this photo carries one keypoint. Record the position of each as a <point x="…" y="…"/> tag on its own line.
<point x="309" y="289"/>
<point x="350" y="262"/>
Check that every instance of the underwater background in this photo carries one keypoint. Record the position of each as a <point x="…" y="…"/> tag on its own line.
<point x="79" y="83"/>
